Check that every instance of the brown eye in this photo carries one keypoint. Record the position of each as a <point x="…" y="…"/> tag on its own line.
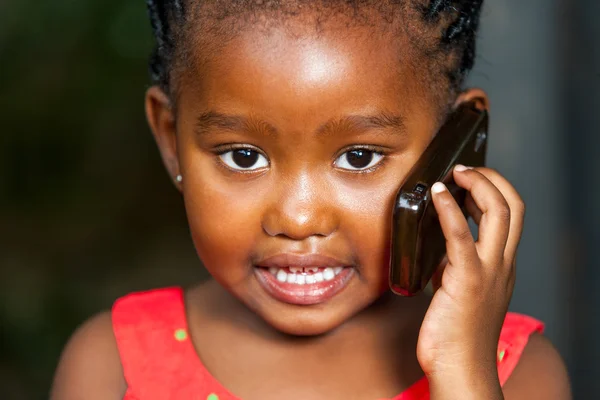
<point x="358" y="159"/>
<point x="244" y="159"/>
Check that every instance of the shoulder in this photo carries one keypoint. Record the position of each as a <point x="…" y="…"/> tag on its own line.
<point x="539" y="374"/>
<point x="90" y="366"/>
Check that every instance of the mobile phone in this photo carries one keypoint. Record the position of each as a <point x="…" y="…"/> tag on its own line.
<point x="418" y="245"/>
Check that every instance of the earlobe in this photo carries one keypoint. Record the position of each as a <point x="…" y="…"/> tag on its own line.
<point x="477" y="95"/>
<point x="161" y="119"/>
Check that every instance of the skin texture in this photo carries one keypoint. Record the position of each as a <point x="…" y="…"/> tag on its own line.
<point x="290" y="92"/>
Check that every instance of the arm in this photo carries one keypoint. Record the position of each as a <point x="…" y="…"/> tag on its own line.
<point x="90" y="367"/>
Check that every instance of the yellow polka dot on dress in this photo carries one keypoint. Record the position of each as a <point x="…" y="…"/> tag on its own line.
<point x="180" y="335"/>
<point x="212" y="396"/>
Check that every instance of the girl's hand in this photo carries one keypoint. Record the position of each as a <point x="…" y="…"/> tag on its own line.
<point x="459" y="337"/>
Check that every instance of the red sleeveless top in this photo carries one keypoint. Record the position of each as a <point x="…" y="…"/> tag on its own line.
<point x="160" y="362"/>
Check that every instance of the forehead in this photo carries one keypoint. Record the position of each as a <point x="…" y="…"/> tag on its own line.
<point x="293" y="67"/>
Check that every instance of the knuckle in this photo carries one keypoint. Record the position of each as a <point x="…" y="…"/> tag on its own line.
<point x="519" y="208"/>
<point x="462" y="234"/>
<point x="503" y="210"/>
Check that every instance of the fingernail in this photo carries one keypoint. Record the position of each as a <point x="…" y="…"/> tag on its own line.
<point x="438" y="187"/>
<point x="460" y="168"/>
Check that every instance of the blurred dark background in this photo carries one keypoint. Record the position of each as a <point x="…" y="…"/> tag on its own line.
<point x="87" y="212"/>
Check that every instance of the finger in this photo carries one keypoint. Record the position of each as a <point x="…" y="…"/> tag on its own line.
<point x="472" y="209"/>
<point x="517" y="210"/>
<point x="460" y="246"/>
<point x="494" y="223"/>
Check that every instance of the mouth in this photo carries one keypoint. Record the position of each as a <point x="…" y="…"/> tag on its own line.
<point x="300" y="280"/>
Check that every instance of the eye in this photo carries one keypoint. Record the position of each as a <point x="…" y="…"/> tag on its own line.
<point x="244" y="159"/>
<point x="358" y="159"/>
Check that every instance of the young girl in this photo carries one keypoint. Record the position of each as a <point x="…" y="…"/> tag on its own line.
<point x="288" y="126"/>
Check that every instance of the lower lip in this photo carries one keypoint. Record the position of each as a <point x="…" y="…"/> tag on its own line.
<point x="307" y="294"/>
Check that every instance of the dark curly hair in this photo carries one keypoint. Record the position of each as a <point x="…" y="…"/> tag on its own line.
<point x="446" y="30"/>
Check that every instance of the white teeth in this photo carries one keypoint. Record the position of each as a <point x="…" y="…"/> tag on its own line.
<point x="281" y="276"/>
<point x="301" y="276"/>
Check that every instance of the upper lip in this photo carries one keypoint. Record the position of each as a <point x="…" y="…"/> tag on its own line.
<point x="284" y="260"/>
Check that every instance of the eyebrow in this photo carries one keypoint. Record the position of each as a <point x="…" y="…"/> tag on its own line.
<point x="361" y="123"/>
<point x="394" y="124"/>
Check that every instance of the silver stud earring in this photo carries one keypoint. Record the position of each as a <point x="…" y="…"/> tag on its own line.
<point x="179" y="178"/>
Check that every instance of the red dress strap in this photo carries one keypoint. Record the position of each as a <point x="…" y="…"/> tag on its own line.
<point x="158" y="358"/>
<point x="516" y="331"/>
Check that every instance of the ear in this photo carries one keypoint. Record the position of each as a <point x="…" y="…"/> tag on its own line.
<point x="161" y="119"/>
<point x="476" y="95"/>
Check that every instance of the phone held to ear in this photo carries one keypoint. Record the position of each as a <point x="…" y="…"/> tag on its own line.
<point x="418" y="244"/>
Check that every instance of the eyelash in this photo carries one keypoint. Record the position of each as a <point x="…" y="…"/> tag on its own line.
<point x="223" y="149"/>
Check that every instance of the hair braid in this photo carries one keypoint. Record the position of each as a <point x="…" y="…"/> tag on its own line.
<point x="435" y="9"/>
<point x="460" y="35"/>
<point x="164" y="14"/>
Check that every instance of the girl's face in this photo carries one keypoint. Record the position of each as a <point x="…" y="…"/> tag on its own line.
<point x="292" y="150"/>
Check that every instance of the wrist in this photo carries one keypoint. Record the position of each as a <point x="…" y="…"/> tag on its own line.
<point x="469" y="383"/>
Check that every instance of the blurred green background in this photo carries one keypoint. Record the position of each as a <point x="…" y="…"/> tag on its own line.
<point x="87" y="212"/>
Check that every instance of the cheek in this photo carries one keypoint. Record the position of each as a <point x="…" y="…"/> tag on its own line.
<point x="367" y="215"/>
<point x="367" y="222"/>
<point x="223" y="223"/>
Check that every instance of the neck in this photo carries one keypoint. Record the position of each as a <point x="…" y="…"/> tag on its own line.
<point x="378" y="342"/>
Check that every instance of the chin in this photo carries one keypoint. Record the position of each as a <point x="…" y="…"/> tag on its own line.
<point x="305" y="322"/>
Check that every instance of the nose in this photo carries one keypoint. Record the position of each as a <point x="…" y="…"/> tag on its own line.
<point x="301" y="208"/>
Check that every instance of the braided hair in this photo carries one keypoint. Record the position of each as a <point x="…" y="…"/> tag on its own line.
<point x="164" y="15"/>
<point x="454" y="25"/>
